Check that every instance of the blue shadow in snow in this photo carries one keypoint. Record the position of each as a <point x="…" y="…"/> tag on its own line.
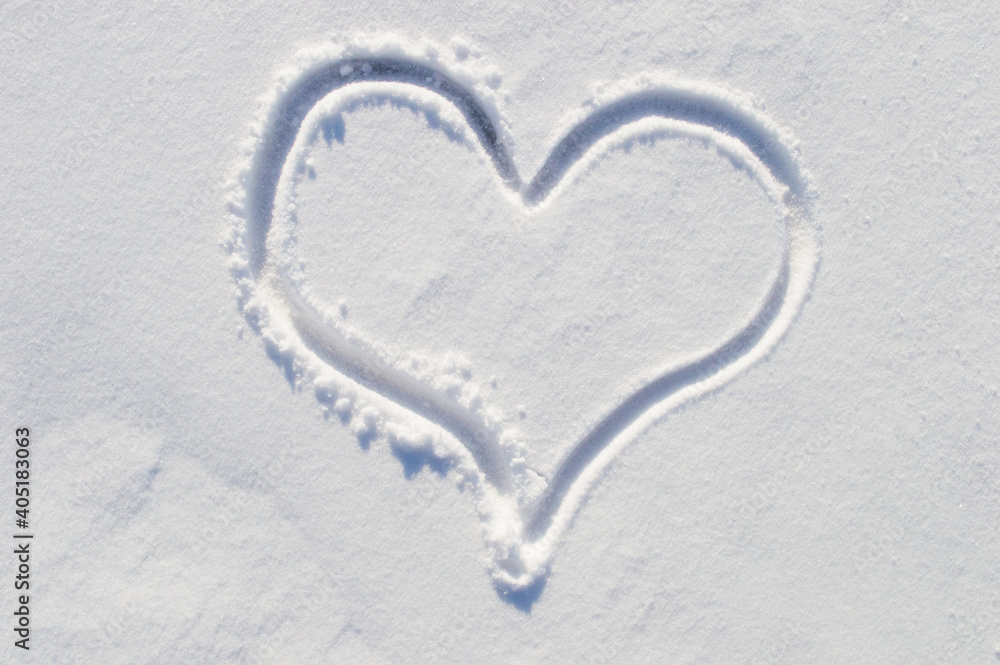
<point x="523" y="599"/>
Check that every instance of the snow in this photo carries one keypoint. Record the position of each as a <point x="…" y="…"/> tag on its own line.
<point x="457" y="333"/>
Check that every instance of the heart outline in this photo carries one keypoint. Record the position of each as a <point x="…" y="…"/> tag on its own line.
<point x="521" y="549"/>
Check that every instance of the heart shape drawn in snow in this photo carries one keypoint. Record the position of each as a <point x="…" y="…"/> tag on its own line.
<point x="376" y="389"/>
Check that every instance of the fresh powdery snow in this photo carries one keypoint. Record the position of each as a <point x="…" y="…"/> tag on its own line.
<point x="477" y="333"/>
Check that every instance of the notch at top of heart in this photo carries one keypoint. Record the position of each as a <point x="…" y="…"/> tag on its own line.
<point x="322" y="70"/>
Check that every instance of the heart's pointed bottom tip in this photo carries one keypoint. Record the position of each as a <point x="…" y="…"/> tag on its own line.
<point x="512" y="575"/>
<point x="523" y="596"/>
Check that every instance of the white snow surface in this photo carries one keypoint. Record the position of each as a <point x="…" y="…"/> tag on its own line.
<point x="477" y="333"/>
<point x="524" y="511"/>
